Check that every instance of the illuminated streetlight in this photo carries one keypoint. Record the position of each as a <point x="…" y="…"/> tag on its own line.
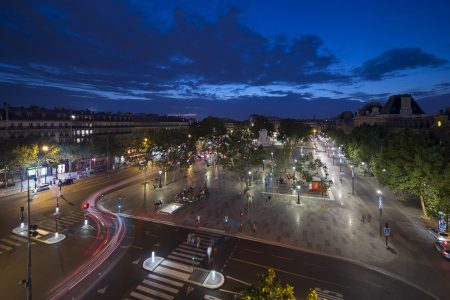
<point x="380" y="206"/>
<point x="250" y="178"/>
<point x="298" y="194"/>
<point x="160" y="172"/>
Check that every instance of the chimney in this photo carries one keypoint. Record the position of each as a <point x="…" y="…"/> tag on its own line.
<point x="406" y="108"/>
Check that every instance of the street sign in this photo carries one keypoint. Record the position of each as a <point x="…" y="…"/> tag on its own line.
<point x="387" y="231"/>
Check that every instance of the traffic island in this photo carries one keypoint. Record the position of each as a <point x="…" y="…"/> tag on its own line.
<point x="151" y="263"/>
<point x="43" y="236"/>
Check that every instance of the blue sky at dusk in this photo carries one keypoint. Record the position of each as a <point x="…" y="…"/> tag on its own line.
<point x="225" y="58"/>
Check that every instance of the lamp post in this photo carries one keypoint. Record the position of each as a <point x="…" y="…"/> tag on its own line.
<point x="160" y="172"/>
<point x="145" y="172"/>
<point x="340" y="163"/>
<point x="353" y="179"/>
<point x="45" y="149"/>
<point x="250" y="178"/>
<point x="332" y="149"/>
<point x="298" y="194"/>
<point x="380" y="206"/>
<point x="271" y="153"/>
<point x="293" y="169"/>
<point x="28" y="282"/>
<point x="72" y="117"/>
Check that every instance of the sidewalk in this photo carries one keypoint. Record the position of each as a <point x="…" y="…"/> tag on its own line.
<point x="21" y="187"/>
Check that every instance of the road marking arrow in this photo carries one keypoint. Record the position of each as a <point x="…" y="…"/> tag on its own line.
<point x="103" y="290"/>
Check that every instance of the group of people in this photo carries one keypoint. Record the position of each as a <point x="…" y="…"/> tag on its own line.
<point x="193" y="240"/>
<point x="367" y="217"/>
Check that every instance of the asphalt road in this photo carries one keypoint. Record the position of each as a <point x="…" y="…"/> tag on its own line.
<point x="240" y="260"/>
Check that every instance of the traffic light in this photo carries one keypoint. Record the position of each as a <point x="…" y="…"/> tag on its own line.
<point x="85" y="205"/>
<point x="33" y="230"/>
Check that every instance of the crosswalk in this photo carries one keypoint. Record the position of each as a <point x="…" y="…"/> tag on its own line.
<point x="329" y="295"/>
<point x="12" y="242"/>
<point x="166" y="281"/>
<point x="64" y="221"/>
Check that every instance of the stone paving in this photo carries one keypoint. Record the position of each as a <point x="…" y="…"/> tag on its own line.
<point x="318" y="224"/>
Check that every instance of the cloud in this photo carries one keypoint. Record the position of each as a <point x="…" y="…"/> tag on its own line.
<point x="394" y="60"/>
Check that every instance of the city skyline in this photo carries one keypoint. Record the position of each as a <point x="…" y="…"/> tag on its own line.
<point x="228" y="59"/>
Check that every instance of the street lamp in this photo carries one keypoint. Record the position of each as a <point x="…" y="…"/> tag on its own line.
<point x="250" y="178"/>
<point x="71" y="127"/>
<point x="45" y="149"/>
<point x="380" y="206"/>
<point x="353" y="179"/>
<point x="298" y="194"/>
<point x="332" y="149"/>
<point x="160" y="172"/>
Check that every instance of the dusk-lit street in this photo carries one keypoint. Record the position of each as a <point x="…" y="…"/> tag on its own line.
<point x="224" y="150"/>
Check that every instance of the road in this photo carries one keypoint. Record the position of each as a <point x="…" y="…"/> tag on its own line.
<point x="326" y="234"/>
<point x="239" y="260"/>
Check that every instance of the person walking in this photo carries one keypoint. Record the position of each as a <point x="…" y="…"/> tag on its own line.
<point x="198" y="241"/>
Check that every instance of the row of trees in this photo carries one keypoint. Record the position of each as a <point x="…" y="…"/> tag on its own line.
<point x="236" y="150"/>
<point x="413" y="163"/>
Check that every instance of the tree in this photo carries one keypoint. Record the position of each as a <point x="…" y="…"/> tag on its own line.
<point x="269" y="287"/>
<point x="312" y="295"/>
<point x="411" y="162"/>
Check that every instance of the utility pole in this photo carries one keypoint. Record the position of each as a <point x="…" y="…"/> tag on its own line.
<point x="29" y="241"/>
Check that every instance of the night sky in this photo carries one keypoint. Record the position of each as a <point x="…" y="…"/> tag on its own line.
<point x="296" y="59"/>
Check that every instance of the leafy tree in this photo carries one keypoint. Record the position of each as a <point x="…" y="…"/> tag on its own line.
<point x="411" y="162"/>
<point x="261" y="122"/>
<point x="312" y="295"/>
<point x="208" y="127"/>
<point x="268" y="287"/>
<point x="292" y="129"/>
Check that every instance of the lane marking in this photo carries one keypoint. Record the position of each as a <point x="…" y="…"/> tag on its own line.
<point x="231" y="292"/>
<point x="254" y="251"/>
<point x="291" y="273"/>
<point x="238" y="280"/>
<point x="282" y="257"/>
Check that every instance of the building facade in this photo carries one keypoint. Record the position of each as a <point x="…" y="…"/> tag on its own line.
<point x="64" y="126"/>
<point x="399" y="112"/>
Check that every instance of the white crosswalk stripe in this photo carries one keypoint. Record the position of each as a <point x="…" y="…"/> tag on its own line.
<point x="4" y="247"/>
<point x="187" y="251"/>
<point x="140" y="296"/>
<point x="189" y="261"/>
<point x="154" y="292"/>
<point x="18" y="238"/>
<point x="329" y="295"/>
<point x="163" y="279"/>
<point x="170" y="275"/>
<point x="9" y="242"/>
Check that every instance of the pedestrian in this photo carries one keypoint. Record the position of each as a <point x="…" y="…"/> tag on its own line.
<point x="192" y="240"/>
<point x="254" y="227"/>
<point x="198" y="241"/>
<point x="198" y="220"/>
<point x="363" y="218"/>
<point x="188" y="240"/>
<point x="269" y="198"/>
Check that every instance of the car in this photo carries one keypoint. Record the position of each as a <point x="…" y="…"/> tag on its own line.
<point x="43" y="187"/>
<point x="443" y="248"/>
<point x="66" y="182"/>
<point x="439" y="235"/>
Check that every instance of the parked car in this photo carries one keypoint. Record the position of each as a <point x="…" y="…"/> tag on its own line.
<point x="67" y="181"/>
<point x="43" y="187"/>
<point x="439" y="235"/>
<point x="443" y="248"/>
